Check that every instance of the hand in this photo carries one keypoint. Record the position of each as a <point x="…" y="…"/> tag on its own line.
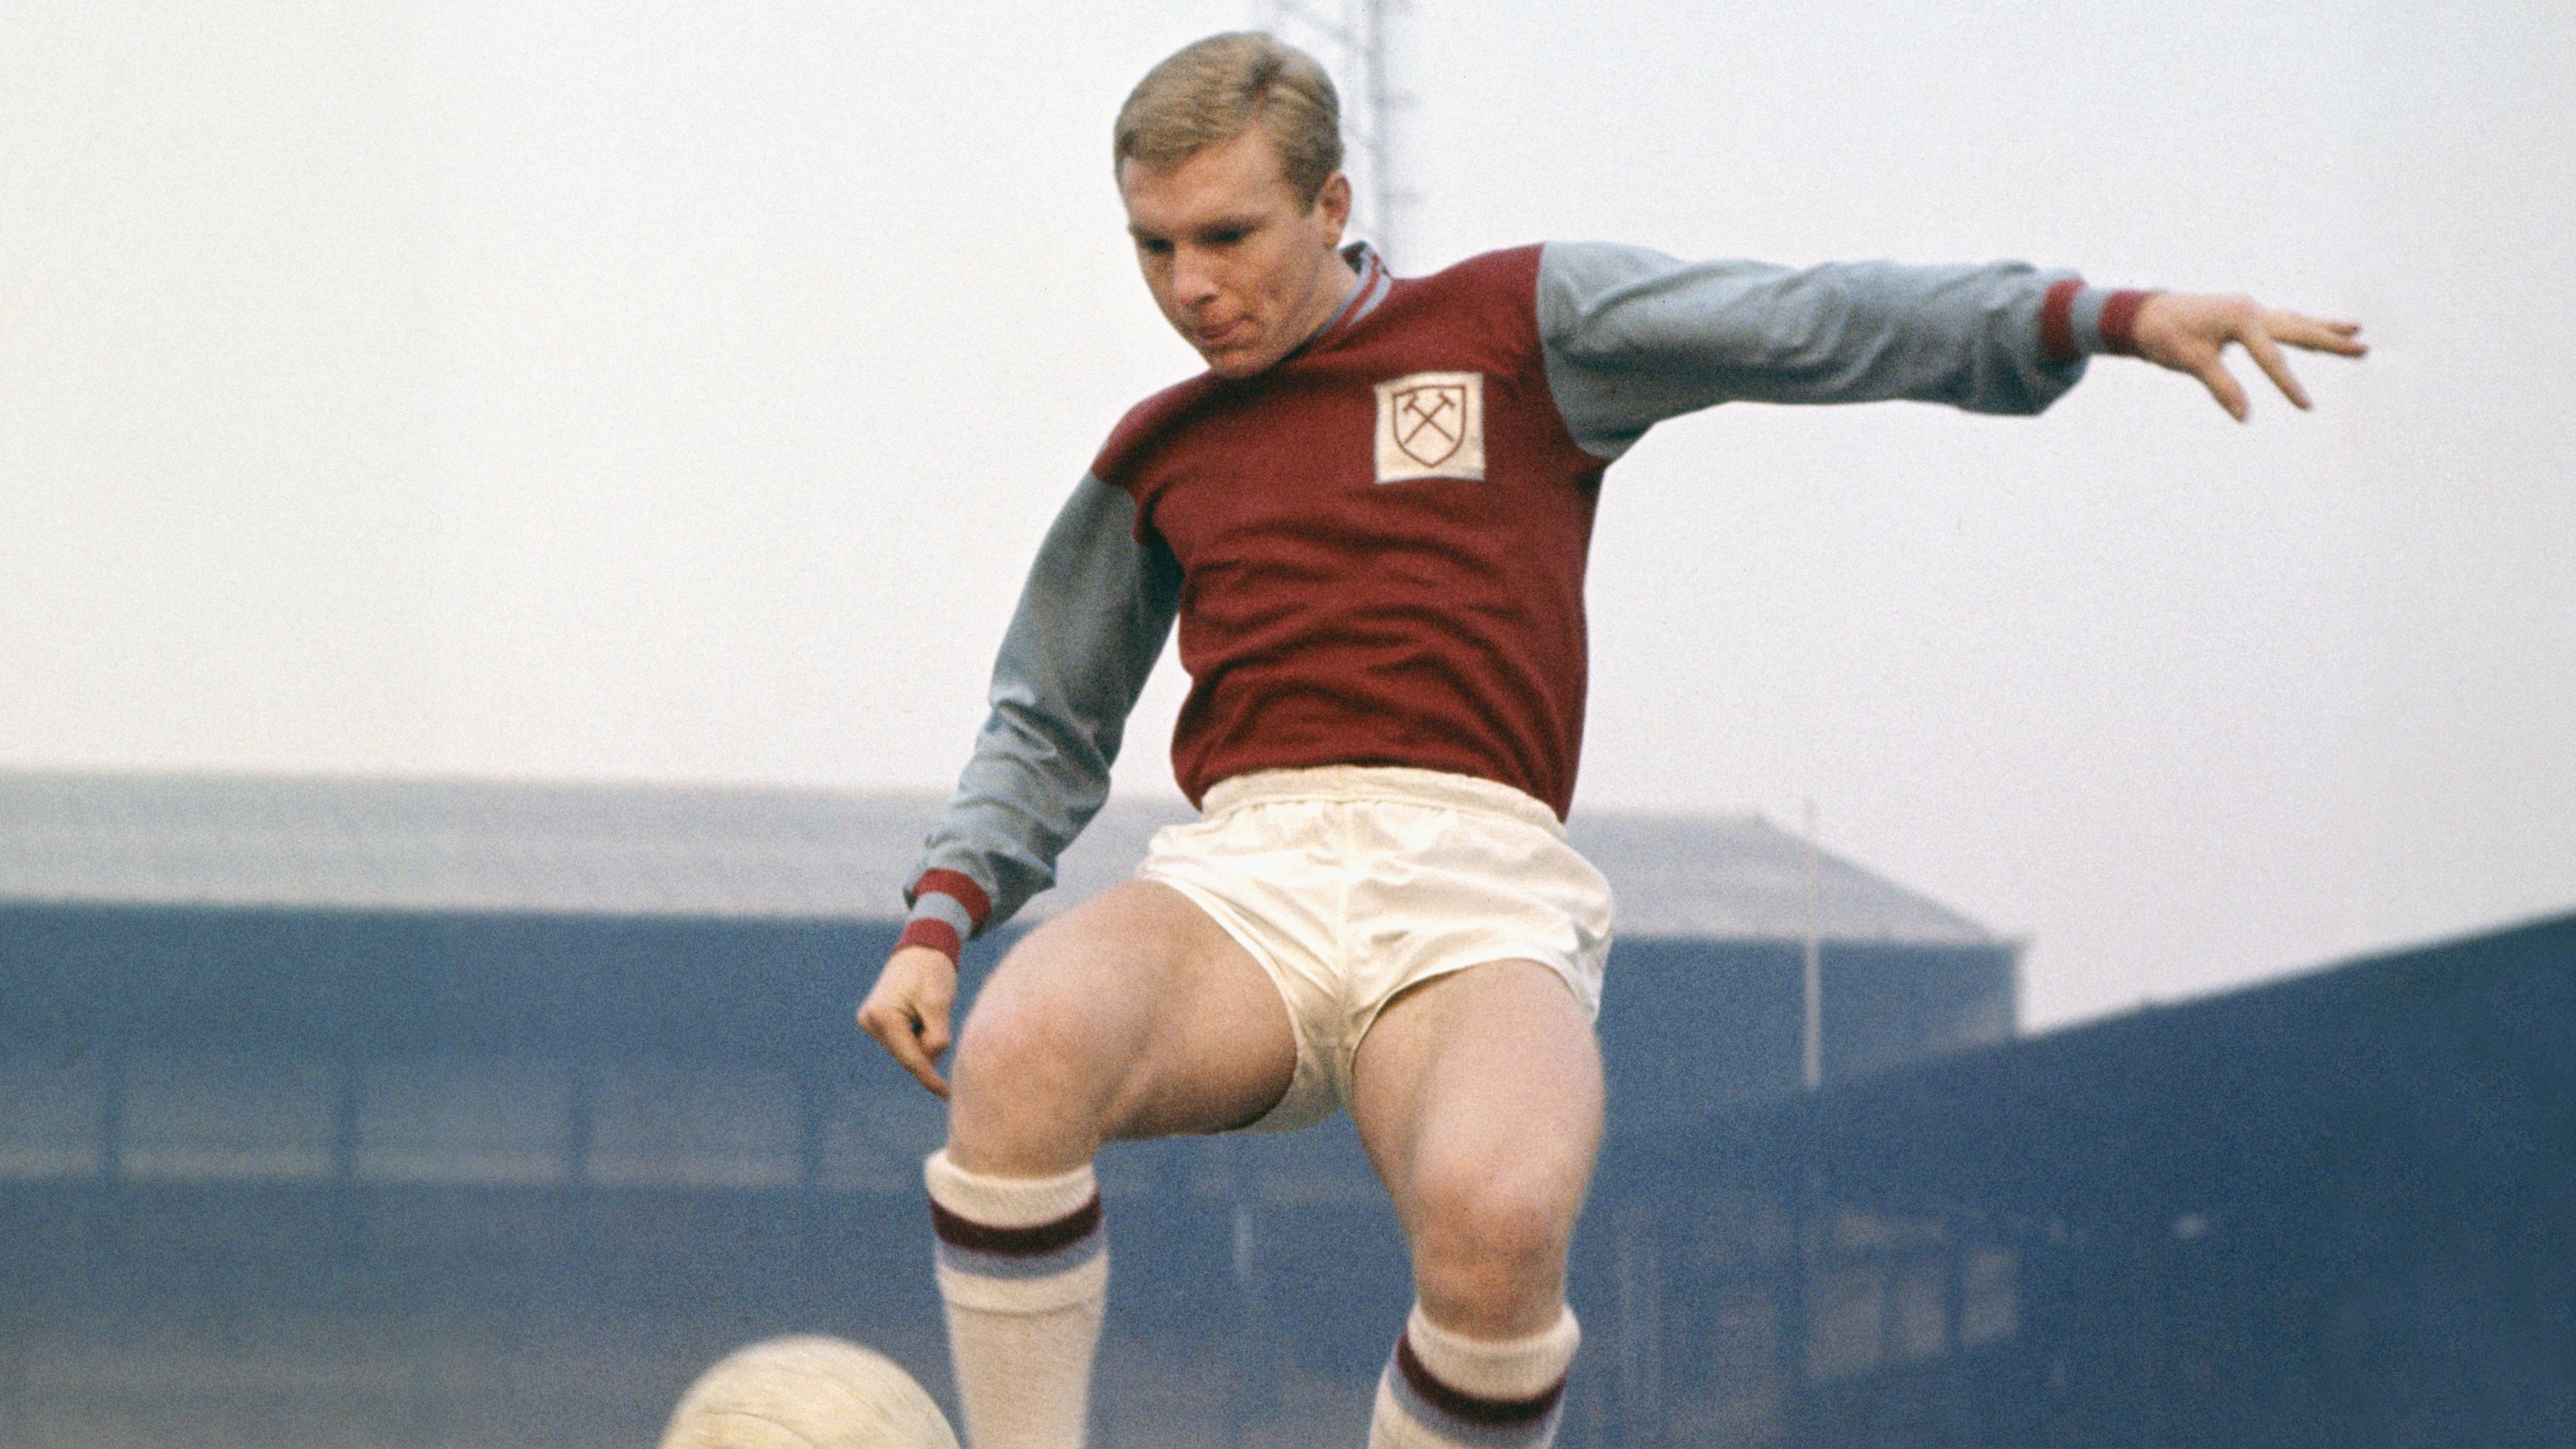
<point x="907" y="1012"/>
<point x="2187" y="332"/>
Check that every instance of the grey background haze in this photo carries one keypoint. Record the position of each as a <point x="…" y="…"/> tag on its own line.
<point x="676" y="392"/>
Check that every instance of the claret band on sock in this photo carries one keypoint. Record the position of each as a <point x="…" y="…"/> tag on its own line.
<point x="1443" y="1388"/>
<point x="1016" y="1245"/>
<point x="1023" y="1268"/>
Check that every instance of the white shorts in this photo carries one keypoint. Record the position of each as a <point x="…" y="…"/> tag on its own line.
<point x="1351" y="883"/>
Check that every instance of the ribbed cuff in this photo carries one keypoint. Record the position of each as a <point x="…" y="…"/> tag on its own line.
<point x="2057" y="322"/>
<point x="948" y="908"/>
<point x="2076" y="321"/>
<point x="933" y="932"/>
<point x="2117" y="321"/>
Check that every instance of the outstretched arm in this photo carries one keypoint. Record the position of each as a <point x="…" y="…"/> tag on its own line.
<point x="2189" y="333"/>
<point x="1633" y="337"/>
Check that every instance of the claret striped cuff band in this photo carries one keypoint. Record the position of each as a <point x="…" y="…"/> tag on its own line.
<point x="947" y="909"/>
<point x="2076" y="321"/>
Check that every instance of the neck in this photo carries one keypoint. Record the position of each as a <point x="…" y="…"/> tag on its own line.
<point x="1340" y="279"/>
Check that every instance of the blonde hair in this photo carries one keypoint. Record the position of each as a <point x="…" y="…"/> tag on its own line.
<point x="1211" y="91"/>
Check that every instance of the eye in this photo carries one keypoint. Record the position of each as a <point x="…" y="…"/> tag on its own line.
<point x="1154" y="246"/>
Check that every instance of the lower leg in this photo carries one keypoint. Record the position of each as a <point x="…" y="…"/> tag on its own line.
<point x="1483" y="1358"/>
<point x="1447" y="1390"/>
<point x="1024" y="1270"/>
<point x="1133" y="1015"/>
<point x="1479" y="1097"/>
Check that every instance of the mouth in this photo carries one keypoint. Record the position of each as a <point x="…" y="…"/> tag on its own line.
<point x="1208" y="339"/>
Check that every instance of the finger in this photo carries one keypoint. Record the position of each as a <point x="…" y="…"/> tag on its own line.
<point x="2222" y="386"/>
<point x="2267" y="355"/>
<point x="897" y="1032"/>
<point x="928" y="1075"/>
<point x="2317" y="334"/>
<point x="908" y="1051"/>
<point x="933" y="1034"/>
<point x="929" y="1017"/>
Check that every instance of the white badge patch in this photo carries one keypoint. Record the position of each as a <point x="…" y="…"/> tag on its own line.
<point x="1431" y="425"/>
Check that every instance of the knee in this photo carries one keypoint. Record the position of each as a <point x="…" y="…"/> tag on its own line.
<point x="1019" y="1103"/>
<point x="1490" y="1248"/>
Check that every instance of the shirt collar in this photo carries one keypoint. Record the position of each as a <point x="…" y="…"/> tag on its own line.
<point x="1374" y="282"/>
<point x="1371" y="290"/>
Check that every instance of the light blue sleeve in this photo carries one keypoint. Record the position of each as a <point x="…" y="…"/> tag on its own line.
<point x="1091" y="622"/>
<point x="1632" y="337"/>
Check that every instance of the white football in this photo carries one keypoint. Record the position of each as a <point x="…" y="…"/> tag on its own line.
<point x="806" y="1392"/>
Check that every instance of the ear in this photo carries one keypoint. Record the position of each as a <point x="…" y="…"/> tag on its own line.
<point x="1333" y="204"/>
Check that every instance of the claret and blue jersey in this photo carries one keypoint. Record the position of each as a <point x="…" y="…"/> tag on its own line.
<point x="1374" y="551"/>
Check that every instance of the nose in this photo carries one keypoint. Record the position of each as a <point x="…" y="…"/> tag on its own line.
<point x="1194" y="279"/>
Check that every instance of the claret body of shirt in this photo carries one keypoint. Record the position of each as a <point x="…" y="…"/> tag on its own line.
<point x="1381" y="542"/>
<point x="1374" y="550"/>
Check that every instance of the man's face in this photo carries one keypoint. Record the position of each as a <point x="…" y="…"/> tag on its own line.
<point x="1242" y="269"/>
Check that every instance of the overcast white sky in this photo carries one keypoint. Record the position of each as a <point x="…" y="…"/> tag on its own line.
<point x="676" y="392"/>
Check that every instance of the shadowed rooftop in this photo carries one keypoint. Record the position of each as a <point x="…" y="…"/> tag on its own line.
<point x="720" y="851"/>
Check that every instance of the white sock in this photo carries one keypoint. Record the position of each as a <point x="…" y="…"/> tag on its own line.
<point x="1024" y="1268"/>
<point x="1444" y="1390"/>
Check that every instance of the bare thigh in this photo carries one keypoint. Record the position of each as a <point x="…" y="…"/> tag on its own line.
<point x="1132" y="1015"/>
<point x="1479" y="1098"/>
